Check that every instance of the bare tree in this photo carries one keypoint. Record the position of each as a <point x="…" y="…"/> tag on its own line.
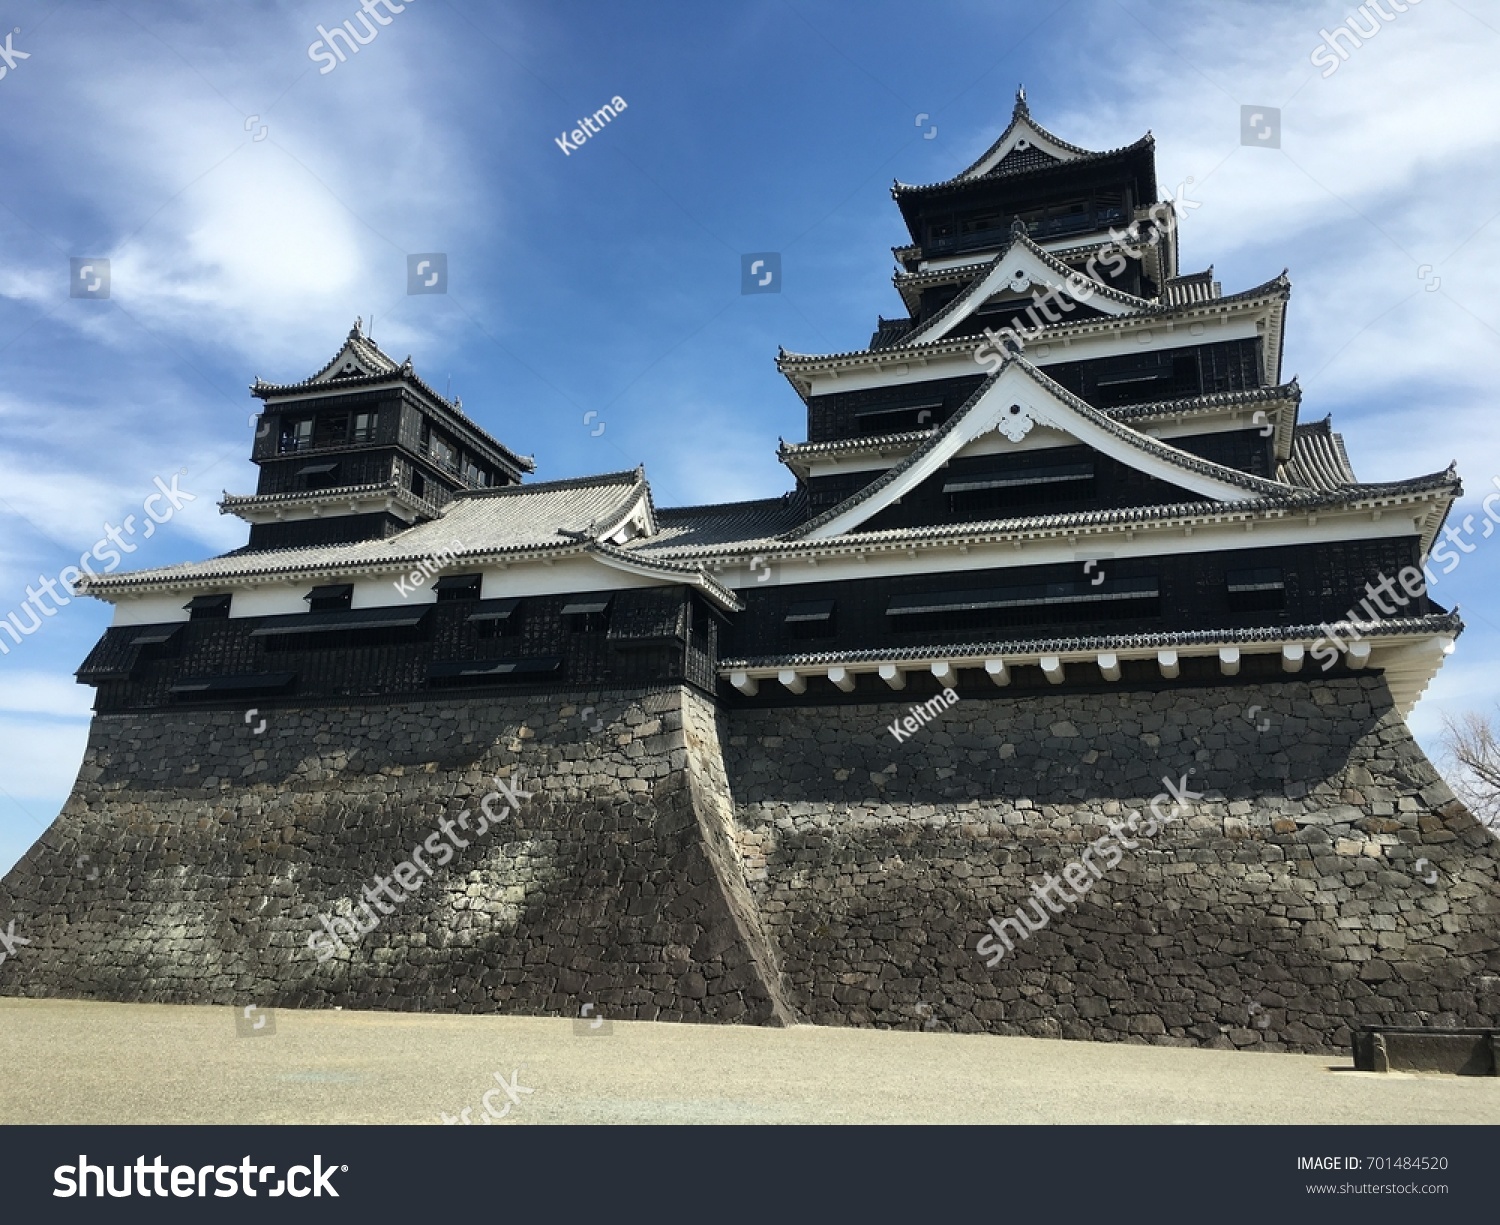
<point x="1472" y="744"/>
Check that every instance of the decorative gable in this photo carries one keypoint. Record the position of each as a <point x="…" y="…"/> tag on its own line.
<point x="1010" y="405"/>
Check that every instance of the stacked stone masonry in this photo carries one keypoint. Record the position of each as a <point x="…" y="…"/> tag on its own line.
<point x="680" y="861"/>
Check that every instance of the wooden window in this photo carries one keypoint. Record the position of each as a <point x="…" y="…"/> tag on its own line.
<point x="810" y="620"/>
<point x="1256" y="590"/>
<point x="208" y="607"/>
<point x="457" y="587"/>
<point x="333" y="597"/>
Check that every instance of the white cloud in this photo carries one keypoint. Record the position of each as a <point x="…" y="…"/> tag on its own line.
<point x="45" y="693"/>
<point x="40" y="758"/>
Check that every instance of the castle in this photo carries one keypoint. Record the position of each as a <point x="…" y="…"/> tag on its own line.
<point x="1056" y="545"/>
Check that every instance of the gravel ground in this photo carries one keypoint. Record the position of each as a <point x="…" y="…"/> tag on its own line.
<point x="71" y="1061"/>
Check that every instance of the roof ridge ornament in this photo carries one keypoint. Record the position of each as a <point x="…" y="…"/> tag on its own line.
<point x="357" y="332"/>
<point x="1021" y="108"/>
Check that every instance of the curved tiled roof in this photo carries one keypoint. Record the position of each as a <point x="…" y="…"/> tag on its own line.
<point x="1045" y="526"/>
<point x="837" y="446"/>
<point x="1318" y="459"/>
<point x="706" y="527"/>
<point x="1085" y="157"/>
<point x="1279" y="285"/>
<point x="518" y="519"/>
<point x="1212" y="401"/>
<point x="668" y="569"/>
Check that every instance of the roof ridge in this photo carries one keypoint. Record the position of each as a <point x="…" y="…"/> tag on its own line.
<point x="778" y="499"/>
<point x="624" y="476"/>
<point x="959" y="180"/>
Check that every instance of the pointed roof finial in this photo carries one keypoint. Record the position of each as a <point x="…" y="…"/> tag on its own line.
<point x="358" y="329"/>
<point x="1021" y="107"/>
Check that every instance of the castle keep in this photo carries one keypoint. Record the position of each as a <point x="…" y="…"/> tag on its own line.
<point x="1056" y="539"/>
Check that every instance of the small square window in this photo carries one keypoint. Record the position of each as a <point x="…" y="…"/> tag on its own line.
<point x="208" y="607"/>
<point x="364" y="428"/>
<point x="1256" y="590"/>
<point x="297" y="435"/>
<point x="319" y="476"/>
<point x="457" y="587"/>
<point x="335" y="597"/>
<point x="810" y="620"/>
<point x="501" y="619"/>
<point x="584" y="616"/>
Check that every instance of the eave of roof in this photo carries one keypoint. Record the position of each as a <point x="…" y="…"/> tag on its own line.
<point x="1438" y="488"/>
<point x="238" y="504"/>
<point x="1434" y="623"/>
<point x="904" y="192"/>
<point x="1274" y="293"/>
<point x="795" y="455"/>
<point x="372" y="556"/>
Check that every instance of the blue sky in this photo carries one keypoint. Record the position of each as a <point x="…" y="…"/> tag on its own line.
<point x="250" y="206"/>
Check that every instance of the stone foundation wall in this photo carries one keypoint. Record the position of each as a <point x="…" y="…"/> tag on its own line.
<point x="1288" y="903"/>
<point x="217" y="849"/>
<point x="677" y="861"/>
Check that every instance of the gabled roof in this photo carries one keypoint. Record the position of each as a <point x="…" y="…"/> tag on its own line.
<point x="358" y="362"/>
<point x="1274" y="292"/>
<point x="1019" y="265"/>
<point x="1021" y="135"/>
<point x="797" y="455"/>
<point x="1012" y="400"/>
<point x="1025" y="146"/>
<point x="908" y="193"/>
<point x="361" y="363"/>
